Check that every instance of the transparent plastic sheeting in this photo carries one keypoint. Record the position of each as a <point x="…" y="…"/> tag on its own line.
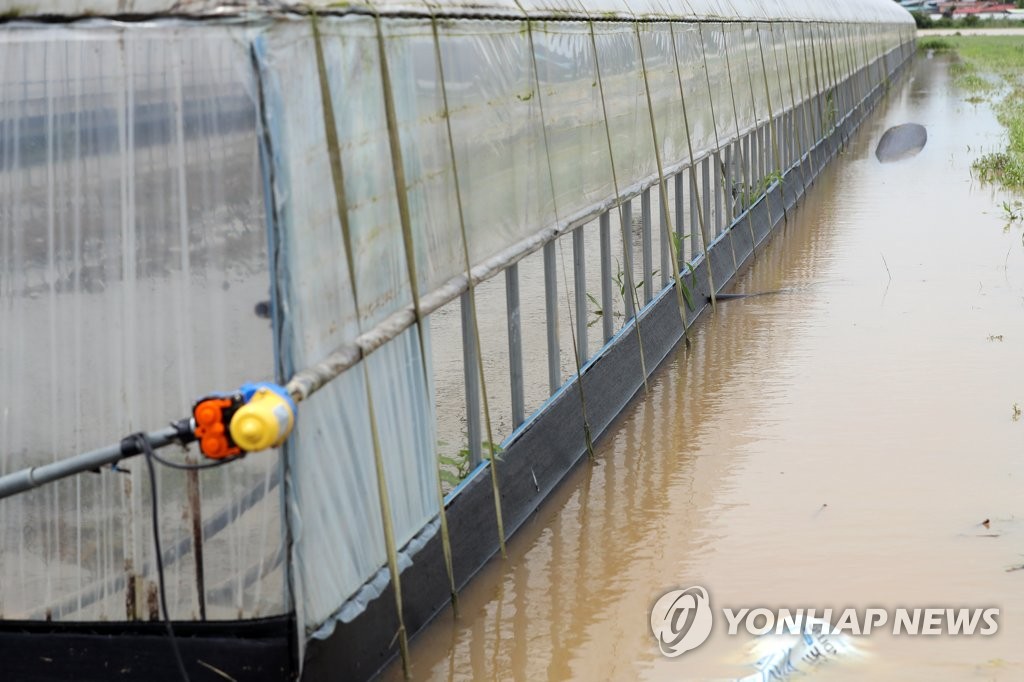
<point x="520" y="172"/>
<point x="337" y="535"/>
<point x="495" y="103"/>
<point x="132" y="258"/>
<point x="874" y="11"/>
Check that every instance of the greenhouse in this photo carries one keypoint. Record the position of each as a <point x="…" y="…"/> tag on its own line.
<point x="459" y="235"/>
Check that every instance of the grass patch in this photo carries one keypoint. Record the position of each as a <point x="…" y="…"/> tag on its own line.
<point x="1000" y="55"/>
<point x="934" y="45"/>
<point x="1007" y="167"/>
<point x="1002" y="168"/>
<point x="983" y="62"/>
<point x="966" y="77"/>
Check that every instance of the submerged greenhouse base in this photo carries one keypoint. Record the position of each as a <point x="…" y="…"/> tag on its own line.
<point x="539" y="456"/>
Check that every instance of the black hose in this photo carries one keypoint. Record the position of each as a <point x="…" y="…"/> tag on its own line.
<point x="147" y="449"/>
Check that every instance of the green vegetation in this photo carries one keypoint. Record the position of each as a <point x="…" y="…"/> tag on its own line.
<point x="456" y="467"/>
<point x="831" y="111"/>
<point x="925" y="21"/>
<point x="1001" y="55"/>
<point x="1001" y="60"/>
<point x="618" y="279"/>
<point x="934" y="45"/>
<point x="1013" y="212"/>
<point x="748" y="194"/>
<point x="966" y="77"/>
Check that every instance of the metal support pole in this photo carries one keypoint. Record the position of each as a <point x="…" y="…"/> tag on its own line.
<point x="745" y="168"/>
<point x="782" y="134"/>
<point x="808" y="131"/>
<point x="471" y="374"/>
<point x="680" y="221"/>
<point x="777" y="141"/>
<point x="790" y="138"/>
<point x="627" y="255"/>
<point x="705" y="183"/>
<point x="665" y="242"/>
<point x="727" y="204"/>
<point x="762" y="144"/>
<point x="798" y="135"/>
<point x="645" y="244"/>
<point x="33" y="477"/>
<point x="607" y="319"/>
<point x="794" y="138"/>
<point x="718" y="171"/>
<point x="515" y="344"/>
<point x="763" y="155"/>
<point x="695" y="246"/>
<point x="551" y="315"/>
<point x="579" y="271"/>
<point x="755" y="157"/>
<point x="774" y="142"/>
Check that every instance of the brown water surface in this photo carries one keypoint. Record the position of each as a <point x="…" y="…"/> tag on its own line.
<point x="834" y="445"/>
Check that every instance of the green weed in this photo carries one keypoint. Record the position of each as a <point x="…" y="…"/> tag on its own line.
<point x="1013" y="212"/>
<point x="984" y="61"/>
<point x="934" y="45"/>
<point x="456" y="467"/>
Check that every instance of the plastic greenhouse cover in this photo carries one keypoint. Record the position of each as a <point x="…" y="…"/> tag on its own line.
<point x="133" y="201"/>
<point x="337" y="537"/>
<point x="132" y="259"/>
<point x="513" y="183"/>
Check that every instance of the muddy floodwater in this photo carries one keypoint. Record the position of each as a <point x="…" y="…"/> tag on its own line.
<point x="838" y="444"/>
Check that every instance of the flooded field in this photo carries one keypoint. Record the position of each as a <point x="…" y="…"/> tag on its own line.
<point x="852" y="440"/>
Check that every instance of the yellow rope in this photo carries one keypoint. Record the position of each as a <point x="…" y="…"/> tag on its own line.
<point x="852" y="57"/>
<point x="736" y="118"/>
<point x="726" y="190"/>
<point x="398" y="167"/>
<point x="693" y="174"/>
<point x="820" y="132"/>
<point x="850" y="81"/>
<point x="773" y="131"/>
<point x="663" y="191"/>
<point x="554" y="204"/>
<point x="869" y="64"/>
<point x="806" y="88"/>
<point x="762" y="187"/>
<point x="338" y="178"/>
<point x="471" y="292"/>
<point x="832" y="75"/>
<point x="840" y="80"/>
<point x="623" y="228"/>
<point x="793" y="100"/>
<point x="753" y="105"/>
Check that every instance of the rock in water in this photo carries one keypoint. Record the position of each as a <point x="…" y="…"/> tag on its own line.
<point x="901" y="142"/>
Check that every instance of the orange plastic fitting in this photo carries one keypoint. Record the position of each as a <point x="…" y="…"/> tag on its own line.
<point x="212" y="415"/>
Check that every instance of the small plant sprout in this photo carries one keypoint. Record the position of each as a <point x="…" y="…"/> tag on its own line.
<point x="456" y="467"/>
<point x="1013" y="212"/>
